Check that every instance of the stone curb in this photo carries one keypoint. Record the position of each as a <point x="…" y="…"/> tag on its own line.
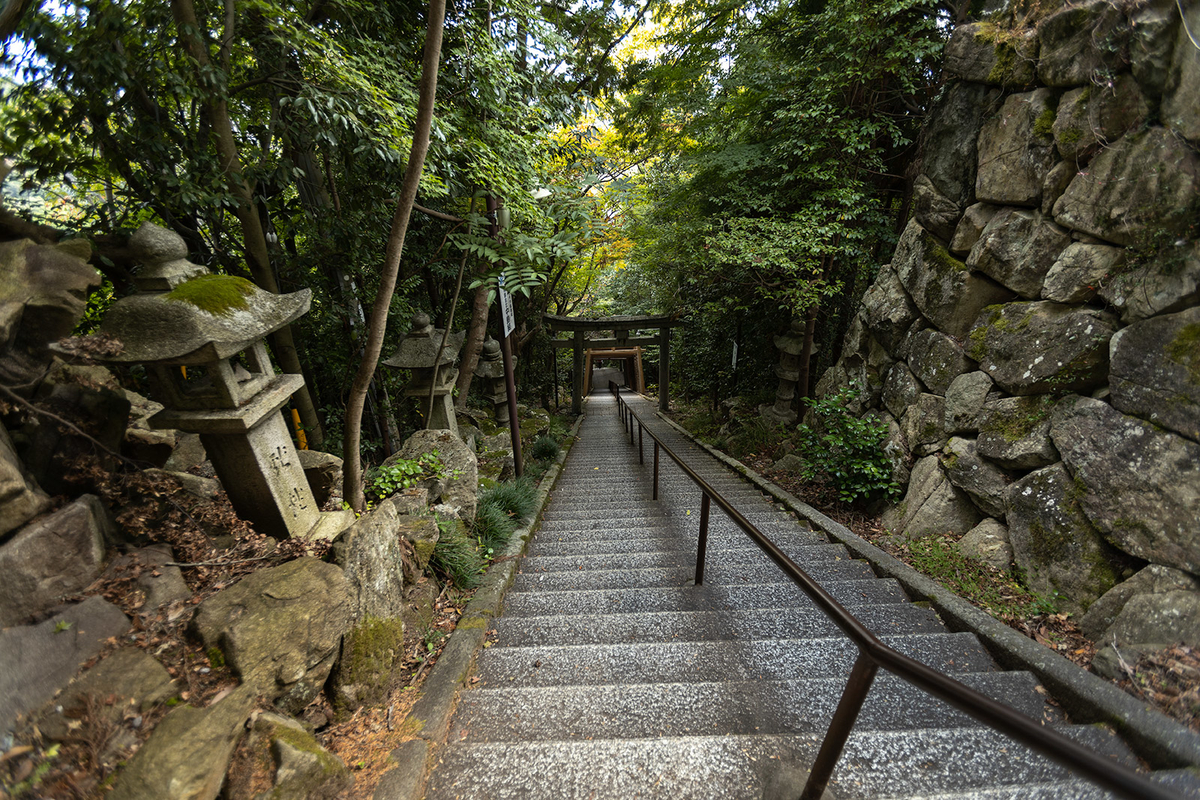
<point x="1088" y="698"/>
<point x="433" y="709"/>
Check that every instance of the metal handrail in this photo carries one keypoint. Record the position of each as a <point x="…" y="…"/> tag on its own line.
<point x="873" y="654"/>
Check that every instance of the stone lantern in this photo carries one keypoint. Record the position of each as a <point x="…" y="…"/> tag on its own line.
<point x="200" y="337"/>
<point x="491" y="369"/>
<point x="417" y="354"/>
<point x="791" y="345"/>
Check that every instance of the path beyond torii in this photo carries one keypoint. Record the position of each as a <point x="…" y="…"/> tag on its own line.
<point x="613" y="676"/>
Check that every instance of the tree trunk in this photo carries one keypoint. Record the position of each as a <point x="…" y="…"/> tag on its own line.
<point x="473" y="346"/>
<point x="352" y="489"/>
<point x="257" y="254"/>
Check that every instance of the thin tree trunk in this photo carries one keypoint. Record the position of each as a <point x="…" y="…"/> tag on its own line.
<point x="257" y="254"/>
<point x="352" y="489"/>
<point x="476" y="333"/>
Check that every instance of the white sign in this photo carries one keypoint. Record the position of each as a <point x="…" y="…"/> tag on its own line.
<point x="734" y="365"/>
<point x="508" y="321"/>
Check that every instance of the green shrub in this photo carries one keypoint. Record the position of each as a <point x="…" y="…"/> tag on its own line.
<point x="493" y="526"/>
<point x="544" y="448"/>
<point x="518" y="498"/>
<point x="386" y="480"/>
<point x="847" y="449"/>
<point x="457" y="557"/>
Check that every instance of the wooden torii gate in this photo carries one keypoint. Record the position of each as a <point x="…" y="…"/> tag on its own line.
<point x="621" y="327"/>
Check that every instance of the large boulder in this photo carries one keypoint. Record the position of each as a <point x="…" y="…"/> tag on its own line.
<point x="888" y="310"/>
<point x="1081" y="40"/>
<point x="900" y="389"/>
<point x="922" y="424"/>
<point x="1145" y="182"/>
<point x="1093" y="116"/>
<point x="937" y="360"/>
<point x="1080" y="270"/>
<point x="933" y="209"/>
<point x="21" y="499"/>
<point x="988" y="542"/>
<point x="129" y="682"/>
<point x="1168" y="281"/>
<point x="974" y="220"/>
<point x="188" y="753"/>
<point x="951" y="135"/>
<point x="43" y="294"/>
<point x="52" y="558"/>
<point x="1155" y="371"/>
<point x="281" y="754"/>
<point x="1032" y="348"/>
<point x="1168" y="587"/>
<point x="1141" y="484"/>
<point x="965" y="398"/>
<point x="462" y="469"/>
<point x="941" y="286"/>
<point x="1016" y="150"/>
<point x="982" y="52"/>
<point x="931" y="505"/>
<point x="984" y="482"/>
<point x="1180" y="111"/>
<point x="323" y="471"/>
<point x="36" y="661"/>
<point x="1017" y="249"/>
<point x="279" y="629"/>
<point x="1053" y="541"/>
<point x="1014" y="432"/>
<point x="1155" y="27"/>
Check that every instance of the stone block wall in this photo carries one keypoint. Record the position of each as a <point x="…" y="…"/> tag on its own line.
<point x="1034" y="345"/>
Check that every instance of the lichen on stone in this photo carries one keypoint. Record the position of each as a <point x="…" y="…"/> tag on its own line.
<point x="219" y="295"/>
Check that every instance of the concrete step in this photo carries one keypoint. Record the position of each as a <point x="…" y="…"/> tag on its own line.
<point x="908" y="764"/>
<point x="699" y="661"/>
<point x="673" y="553"/>
<point x="799" y="544"/>
<point x="636" y="711"/>
<point x="695" y="598"/>
<point x="715" y="574"/>
<point x="624" y="527"/>
<point x="663" y="626"/>
<point x="584" y="519"/>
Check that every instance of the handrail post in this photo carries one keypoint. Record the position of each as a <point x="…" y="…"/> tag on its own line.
<point x="641" y="458"/>
<point x="840" y="727"/>
<point x="631" y="426"/>
<point x="656" y="469"/>
<point x="703" y="543"/>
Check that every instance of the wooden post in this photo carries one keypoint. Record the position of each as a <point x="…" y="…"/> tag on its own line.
<point x="664" y="368"/>
<point x="577" y="389"/>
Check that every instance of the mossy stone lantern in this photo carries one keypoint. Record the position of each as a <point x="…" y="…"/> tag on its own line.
<point x="491" y="369"/>
<point x="200" y="337"/>
<point x="791" y="345"/>
<point x="418" y="353"/>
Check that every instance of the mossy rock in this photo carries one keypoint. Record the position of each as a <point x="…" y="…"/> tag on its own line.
<point x="370" y="651"/>
<point x="219" y="295"/>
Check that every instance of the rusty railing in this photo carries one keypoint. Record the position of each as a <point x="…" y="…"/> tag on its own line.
<point x="874" y="654"/>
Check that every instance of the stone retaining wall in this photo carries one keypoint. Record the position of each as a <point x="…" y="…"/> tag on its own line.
<point x="1034" y="346"/>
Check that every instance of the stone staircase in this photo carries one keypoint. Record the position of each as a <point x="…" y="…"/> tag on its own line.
<point x="612" y="675"/>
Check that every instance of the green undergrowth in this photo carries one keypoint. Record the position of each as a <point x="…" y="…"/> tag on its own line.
<point x="999" y="593"/>
<point x="457" y="556"/>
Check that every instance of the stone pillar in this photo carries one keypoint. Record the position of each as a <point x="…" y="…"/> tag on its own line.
<point x="491" y="369"/>
<point x="664" y="369"/>
<point x="790" y="345"/>
<point x="577" y="389"/>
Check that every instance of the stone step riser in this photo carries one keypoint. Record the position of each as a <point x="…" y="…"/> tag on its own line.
<point x="698" y="709"/>
<point x="695" y="598"/>
<point x="715" y="574"/>
<point x="692" y="662"/>
<point x="808" y="553"/>
<point x="687" y="626"/>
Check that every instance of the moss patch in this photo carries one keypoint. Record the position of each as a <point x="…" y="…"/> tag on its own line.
<point x="1017" y="422"/>
<point x="219" y="295"/>
<point x="369" y="652"/>
<point x="1184" y="350"/>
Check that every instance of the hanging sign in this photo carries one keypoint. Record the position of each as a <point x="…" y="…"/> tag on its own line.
<point x="508" y="322"/>
<point x="735" y="349"/>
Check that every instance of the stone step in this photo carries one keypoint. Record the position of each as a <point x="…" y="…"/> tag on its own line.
<point x="673" y="553"/>
<point x="715" y="574"/>
<point x="695" y="598"/>
<point x="635" y="711"/>
<point x="623" y="527"/>
<point x="699" y="661"/>
<point x="663" y="626"/>
<point x="800" y="544"/>
<point x="874" y="764"/>
<point x="584" y="520"/>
